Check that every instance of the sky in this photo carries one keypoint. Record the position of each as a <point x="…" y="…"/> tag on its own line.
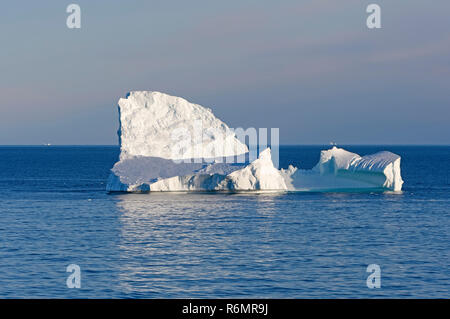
<point x="311" y="68"/>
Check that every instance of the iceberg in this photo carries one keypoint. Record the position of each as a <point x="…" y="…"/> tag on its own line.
<point x="154" y="155"/>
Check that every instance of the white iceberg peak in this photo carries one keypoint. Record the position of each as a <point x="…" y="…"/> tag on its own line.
<point x="261" y="174"/>
<point x="152" y="123"/>
<point x="334" y="159"/>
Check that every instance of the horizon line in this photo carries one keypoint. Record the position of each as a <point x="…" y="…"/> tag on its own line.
<point x="287" y="144"/>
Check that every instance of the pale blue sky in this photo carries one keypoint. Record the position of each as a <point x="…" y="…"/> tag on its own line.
<point x="311" y="68"/>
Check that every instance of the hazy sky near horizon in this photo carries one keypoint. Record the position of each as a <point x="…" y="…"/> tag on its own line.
<point x="311" y="68"/>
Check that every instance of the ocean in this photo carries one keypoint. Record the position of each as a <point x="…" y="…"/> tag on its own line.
<point x="54" y="212"/>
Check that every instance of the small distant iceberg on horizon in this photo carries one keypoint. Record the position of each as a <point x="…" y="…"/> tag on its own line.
<point x="148" y="122"/>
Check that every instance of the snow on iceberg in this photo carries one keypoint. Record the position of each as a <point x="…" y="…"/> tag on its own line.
<point x="148" y="162"/>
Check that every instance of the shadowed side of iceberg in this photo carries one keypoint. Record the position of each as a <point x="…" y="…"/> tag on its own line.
<point x="143" y="174"/>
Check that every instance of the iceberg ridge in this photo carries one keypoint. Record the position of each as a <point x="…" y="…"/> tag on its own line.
<point x="342" y="170"/>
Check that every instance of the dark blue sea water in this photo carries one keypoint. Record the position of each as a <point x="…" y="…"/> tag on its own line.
<point x="54" y="211"/>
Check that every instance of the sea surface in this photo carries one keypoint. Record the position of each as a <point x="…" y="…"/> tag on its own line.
<point x="54" y="211"/>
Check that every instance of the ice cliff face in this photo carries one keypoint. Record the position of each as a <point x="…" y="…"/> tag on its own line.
<point x="152" y="122"/>
<point x="154" y="128"/>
